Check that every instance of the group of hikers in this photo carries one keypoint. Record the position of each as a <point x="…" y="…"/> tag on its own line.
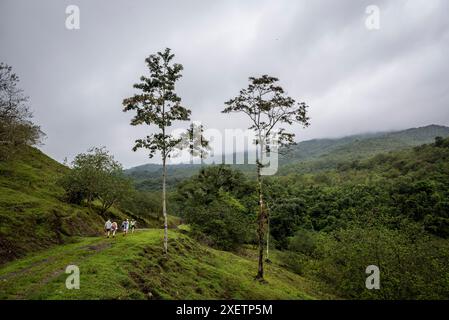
<point x="110" y="228"/>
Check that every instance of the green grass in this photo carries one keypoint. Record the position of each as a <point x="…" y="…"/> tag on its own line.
<point x="33" y="214"/>
<point x="134" y="267"/>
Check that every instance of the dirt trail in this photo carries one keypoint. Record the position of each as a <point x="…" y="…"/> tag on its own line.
<point x="94" y="248"/>
<point x="25" y="270"/>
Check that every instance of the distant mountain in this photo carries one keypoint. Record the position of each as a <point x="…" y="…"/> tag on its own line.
<point x="149" y="176"/>
<point x="323" y="154"/>
<point x="306" y="156"/>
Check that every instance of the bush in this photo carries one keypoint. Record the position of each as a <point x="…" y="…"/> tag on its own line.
<point x="413" y="265"/>
<point x="304" y="242"/>
<point x="143" y="204"/>
<point x="221" y="224"/>
<point x="296" y="262"/>
<point x="219" y="204"/>
<point x="96" y="175"/>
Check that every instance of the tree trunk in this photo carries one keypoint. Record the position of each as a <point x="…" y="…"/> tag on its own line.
<point x="164" y="177"/>
<point x="261" y="215"/>
<point x="260" y="225"/>
<point x="164" y="208"/>
<point x="268" y="237"/>
<point x="89" y="202"/>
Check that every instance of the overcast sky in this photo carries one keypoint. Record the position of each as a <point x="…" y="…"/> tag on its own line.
<point x="354" y="79"/>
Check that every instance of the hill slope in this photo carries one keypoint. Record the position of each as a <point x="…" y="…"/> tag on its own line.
<point x="134" y="267"/>
<point x="32" y="213"/>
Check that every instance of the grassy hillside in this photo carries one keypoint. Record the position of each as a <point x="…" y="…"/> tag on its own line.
<point x="42" y="234"/>
<point x="307" y="156"/>
<point x="134" y="267"/>
<point x="33" y="214"/>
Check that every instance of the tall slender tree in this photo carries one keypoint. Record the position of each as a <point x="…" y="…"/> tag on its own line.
<point x="268" y="107"/>
<point x="158" y="104"/>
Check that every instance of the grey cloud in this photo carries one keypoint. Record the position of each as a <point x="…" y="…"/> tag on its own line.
<point x="355" y="80"/>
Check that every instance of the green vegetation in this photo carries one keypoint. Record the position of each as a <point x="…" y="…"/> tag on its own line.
<point x="16" y="128"/>
<point x="326" y="227"/>
<point x="334" y="208"/>
<point x="390" y="210"/>
<point x="217" y="205"/>
<point x="413" y="264"/>
<point x="96" y="175"/>
<point x="310" y="156"/>
<point x="135" y="267"/>
<point x="411" y="184"/>
<point x="34" y="213"/>
<point x="148" y="177"/>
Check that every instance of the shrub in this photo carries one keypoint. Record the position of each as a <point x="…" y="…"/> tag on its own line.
<point x="304" y="241"/>
<point x="413" y="264"/>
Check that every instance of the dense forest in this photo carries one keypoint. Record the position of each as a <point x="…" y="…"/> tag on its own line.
<point x="389" y="210"/>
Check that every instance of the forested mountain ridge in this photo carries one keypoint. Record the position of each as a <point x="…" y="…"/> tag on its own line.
<point x="307" y="156"/>
<point x="367" y="143"/>
<point x="318" y="155"/>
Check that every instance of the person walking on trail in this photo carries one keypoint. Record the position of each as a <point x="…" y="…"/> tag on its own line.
<point x="114" y="228"/>
<point x="125" y="226"/>
<point x="133" y="225"/>
<point x="107" y="227"/>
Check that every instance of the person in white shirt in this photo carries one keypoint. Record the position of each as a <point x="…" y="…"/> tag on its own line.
<point x="125" y="226"/>
<point x="107" y="227"/>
